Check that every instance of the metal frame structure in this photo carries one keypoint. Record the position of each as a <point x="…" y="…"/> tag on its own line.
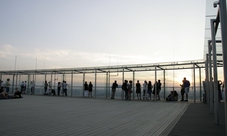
<point x="165" y="66"/>
<point x="212" y="78"/>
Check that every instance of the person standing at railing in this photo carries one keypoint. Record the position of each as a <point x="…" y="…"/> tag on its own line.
<point x="1" y="83"/>
<point x="59" y="88"/>
<point x="90" y="86"/>
<point x="32" y="87"/>
<point x="186" y="85"/>
<point x="219" y="90"/>
<point x="85" y="89"/>
<point x="149" y="90"/>
<point x="159" y="89"/>
<point x="114" y="86"/>
<point x="129" y="90"/>
<point x="45" y="86"/>
<point x="182" y="90"/>
<point x="144" y="89"/>
<point x="125" y="88"/>
<point x="64" y="87"/>
<point x="138" y="90"/>
<point x="7" y="84"/>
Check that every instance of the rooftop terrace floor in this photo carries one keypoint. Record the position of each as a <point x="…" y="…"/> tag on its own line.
<point x="52" y="115"/>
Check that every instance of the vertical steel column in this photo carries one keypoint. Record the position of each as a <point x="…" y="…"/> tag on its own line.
<point x="54" y="81"/>
<point x="216" y="100"/>
<point x="155" y="94"/>
<point x="83" y="84"/>
<point x="109" y="94"/>
<point x="194" y="83"/>
<point x="13" y="83"/>
<point x="17" y="79"/>
<point x="72" y="84"/>
<point x="51" y="79"/>
<point x="207" y="82"/>
<point x="133" y="84"/>
<point x="223" y="19"/>
<point x="63" y="76"/>
<point x="211" y="81"/>
<point x="95" y="83"/>
<point x="45" y="77"/>
<point x="164" y="83"/>
<point x="200" y="85"/>
<point x="123" y="79"/>
<point x="29" y="80"/>
<point x="106" y="83"/>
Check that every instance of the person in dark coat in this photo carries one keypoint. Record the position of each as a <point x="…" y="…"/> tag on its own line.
<point x="90" y="86"/>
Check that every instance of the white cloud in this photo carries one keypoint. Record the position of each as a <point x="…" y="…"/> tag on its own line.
<point x="6" y="51"/>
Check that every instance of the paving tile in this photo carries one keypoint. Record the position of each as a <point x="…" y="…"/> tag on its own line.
<point x="45" y="115"/>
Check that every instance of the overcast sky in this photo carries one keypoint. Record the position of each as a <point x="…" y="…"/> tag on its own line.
<point x="80" y="33"/>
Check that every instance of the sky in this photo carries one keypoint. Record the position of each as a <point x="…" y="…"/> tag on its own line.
<point x="49" y="34"/>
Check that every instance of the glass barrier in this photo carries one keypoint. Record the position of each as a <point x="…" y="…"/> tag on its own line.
<point x="103" y="92"/>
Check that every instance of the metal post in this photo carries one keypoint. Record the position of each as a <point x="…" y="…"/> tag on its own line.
<point x="72" y="84"/>
<point x="63" y="76"/>
<point x="51" y="79"/>
<point x="207" y="82"/>
<point x="133" y="84"/>
<point x="164" y="83"/>
<point x="216" y="100"/>
<point x="223" y="19"/>
<point x="109" y="94"/>
<point x="123" y="79"/>
<point x="155" y="96"/>
<point x="106" y="83"/>
<point x="45" y="77"/>
<point x="211" y="81"/>
<point x="17" y="79"/>
<point x="95" y="83"/>
<point x="200" y="85"/>
<point x="29" y="80"/>
<point x="54" y="81"/>
<point x="194" y="83"/>
<point x="83" y="84"/>
<point x="13" y="83"/>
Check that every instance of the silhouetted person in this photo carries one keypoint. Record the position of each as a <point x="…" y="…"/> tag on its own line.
<point x="85" y="89"/>
<point x="90" y="86"/>
<point x="114" y="86"/>
<point x="138" y="90"/>
<point x="125" y="88"/>
<point x="186" y="85"/>
<point x="45" y="86"/>
<point x="59" y="88"/>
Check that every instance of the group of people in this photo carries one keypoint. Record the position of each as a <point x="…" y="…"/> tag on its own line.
<point x="4" y="90"/>
<point x="5" y="95"/>
<point x="173" y="96"/>
<point x="148" y="89"/>
<point x="6" y="85"/>
<point x="23" y="86"/>
<point x="88" y="89"/>
<point x="184" y="89"/>
<point x="51" y="91"/>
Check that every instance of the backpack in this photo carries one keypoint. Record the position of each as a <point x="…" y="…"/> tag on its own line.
<point x="123" y="86"/>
